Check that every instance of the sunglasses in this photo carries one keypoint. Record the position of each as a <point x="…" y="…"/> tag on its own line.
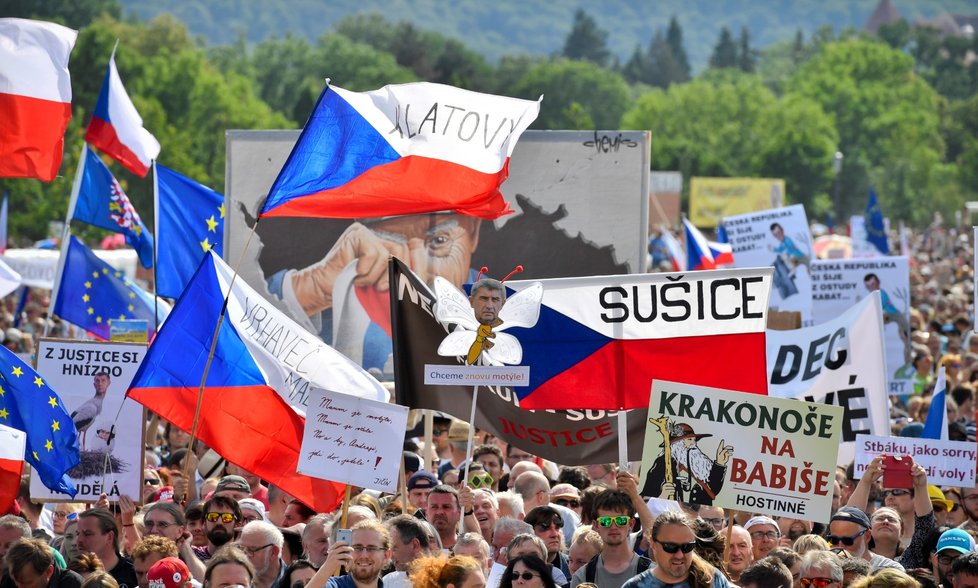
<point x="151" y="482"/>
<point x="556" y="522"/>
<point x="525" y="576"/>
<point x="569" y="503"/>
<point x="480" y="481"/>
<point x="224" y="517"/>
<point x="619" y="521"/>
<point x="896" y="492"/>
<point x="847" y="541"/>
<point x="816" y="582"/>
<point x="671" y="548"/>
<point x="955" y="507"/>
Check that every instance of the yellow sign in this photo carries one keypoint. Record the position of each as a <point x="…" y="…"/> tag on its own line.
<point x="711" y="199"/>
<point x="129" y="331"/>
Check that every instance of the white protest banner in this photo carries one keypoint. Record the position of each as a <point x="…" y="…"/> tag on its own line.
<point x="838" y="362"/>
<point x="742" y="451"/>
<point x="92" y="378"/>
<point x="353" y="440"/>
<point x="840" y="283"/>
<point x="948" y="463"/>
<point x="780" y="238"/>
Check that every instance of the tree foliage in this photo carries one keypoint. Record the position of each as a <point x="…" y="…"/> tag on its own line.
<point x="572" y="89"/>
<point x="587" y="41"/>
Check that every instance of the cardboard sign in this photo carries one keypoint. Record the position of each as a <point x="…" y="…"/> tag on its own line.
<point x="948" y="463"/>
<point x="353" y="440"/>
<point x="92" y="379"/>
<point x="741" y="451"/>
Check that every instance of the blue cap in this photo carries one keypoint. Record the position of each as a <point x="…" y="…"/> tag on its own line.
<point x="957" y="540"/>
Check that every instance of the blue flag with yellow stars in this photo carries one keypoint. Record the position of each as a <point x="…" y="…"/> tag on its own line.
<point x="28" y="404"/>
<point x="92" y="293"/>
<point x="103" y="203"/>
<point x="875" y="227"/>
<point x="189" y="223"/>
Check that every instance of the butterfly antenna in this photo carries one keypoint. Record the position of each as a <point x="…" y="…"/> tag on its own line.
<point x="482" y="272"/>
<point x="517" y="270"/>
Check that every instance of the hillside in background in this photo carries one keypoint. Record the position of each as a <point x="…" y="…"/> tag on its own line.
<point x="510" y="27"/>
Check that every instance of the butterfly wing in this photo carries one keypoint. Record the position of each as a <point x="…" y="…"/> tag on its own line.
<point x="506" y="349"/>
<point x="457" y="343"/>
<point x="452" y="307"/>
<point x="523" y="308"/>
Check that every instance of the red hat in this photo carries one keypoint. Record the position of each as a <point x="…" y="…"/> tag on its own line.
<point x="169" y="572"/>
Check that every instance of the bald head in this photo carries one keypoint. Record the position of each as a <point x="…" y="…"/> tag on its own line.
<point x="534" y="488"/>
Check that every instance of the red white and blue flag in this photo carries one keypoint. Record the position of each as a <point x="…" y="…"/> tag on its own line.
<point x="13" y="443"/>
<point x="117" y="129"/>
<point x="722" y="249"/>
<point x="264" y="367"/>
<point x="600" y="341"/>
<point x="676" y="254"/>
<point x="402" y="149"/>
<point x="699" y="256"/>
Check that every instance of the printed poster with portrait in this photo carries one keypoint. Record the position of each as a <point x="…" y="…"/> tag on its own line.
<point x="581" y="208"/>
<point x="780" y="238"/>
<point x="838" y="284"/>
<point x="91" y="378"/>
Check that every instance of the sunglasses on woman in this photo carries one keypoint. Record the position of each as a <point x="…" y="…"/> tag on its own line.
<point x="847" y="541"/>
<point x="525" y="576"/>
<point x="556" y="522"/>
<point x="672" y="548"/>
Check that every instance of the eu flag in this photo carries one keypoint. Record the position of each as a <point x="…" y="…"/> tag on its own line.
<point x="101" y="202"/>
<point x="91" y="293"/>
<point x="28" y="404"/>
<point x="875" y="231"/>
<point x="189" y="223"/>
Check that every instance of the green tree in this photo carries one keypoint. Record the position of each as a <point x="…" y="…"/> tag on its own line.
<point x="586" y="40"/>
<point x="725" y="51"/>
<point x="887" y="118"/>
<point x="601" y="94"/>
<point x="746" y="56"/>
<point x="72" y="13"/>
<point x="674" y="36"/>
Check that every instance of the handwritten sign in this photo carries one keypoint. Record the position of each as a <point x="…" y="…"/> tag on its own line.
<point x="948" y="463"/>
<point x="353" y="440"/>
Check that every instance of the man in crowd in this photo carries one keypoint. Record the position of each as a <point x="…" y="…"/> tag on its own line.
<point x="952" y="544"/>
<point x="741" y="552"/>
<point x="503" y="533"/>
<point x="548" y="526"/>
<point x="821" y="566"/>
<point x="99" y="533"/>
<point x="409" y="541"/>
<point x="167" y="519"/>
<point x="315" y="539"/>
<point x="295" y="513"/>
<point x="764" y="535"/>
<point x="234" y="487"/>
<point x="147" y="552"/>
<point x="444" y="510"/>
<point x="964" y="571"/>
<point x="229" y="567"/>
<point x="30" y="564"/>
<point x="262" y="543"/>
<point x="12" y="530"/>
<point x="614" y="519"/>
<point x="491" y="458"/>
<point x="672" y="543"/>
<point x="850" y="529"/>
<point x="221" y="515"/>
<point x="486" y="511"/>
<point x="766" y="573"/>
<point x="169" y="572"/>
<point x="364" y="559"/>
<point x="535" y="490"/>
<point x="418" y="487"/>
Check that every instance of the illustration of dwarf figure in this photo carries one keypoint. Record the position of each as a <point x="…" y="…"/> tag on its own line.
<point x="694" y="478"/>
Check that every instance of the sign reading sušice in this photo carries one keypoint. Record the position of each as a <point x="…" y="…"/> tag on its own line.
<point x="948" y="463"/>
<point x="741" y="451"/>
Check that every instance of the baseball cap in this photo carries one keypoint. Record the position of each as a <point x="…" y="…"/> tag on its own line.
<point x="564" y="491"/>
<point x="422" y="479"/>
<point x="169" y="572"/>
<point x="956" y="539"/>
<point x="235" y="483"/>
<point x="760" y="520"/>
<point x="851" y="514"/>
<point x="255" y="505"/>
<point x="412" y="461"/>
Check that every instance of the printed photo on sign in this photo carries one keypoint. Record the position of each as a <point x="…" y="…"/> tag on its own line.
<point x="838" y="362"/>
<point x="839" y="284"/>
<point x="580" y="198"/>
<point x="779" y="238"/>
<point x="740" y="451"/>
<point x="92" y="379"/>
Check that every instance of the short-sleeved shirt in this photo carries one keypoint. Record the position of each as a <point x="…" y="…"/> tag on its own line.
<point x="124" y="573"/>
<point x="648" y="580"/>
<point x="603" y="577"/>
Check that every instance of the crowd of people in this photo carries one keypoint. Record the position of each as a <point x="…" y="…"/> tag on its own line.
<point x="501" y="517"/>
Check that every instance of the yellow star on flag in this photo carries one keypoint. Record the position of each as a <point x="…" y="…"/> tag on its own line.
<point x="36" y="458"/>
<point x="40" y="382"/>
<point x="55" y="426"/>
<point x="205" y="245"/>
<point x="88" y="285"/>
<point x="3" y="413"/>
<point x="221" y="210"/>
<point x="51" y="399"/>
<point x="98" y="320"/>
<point x="122" y="316"/>
<point x="95" y="274"/>
<point x="2" y="391"/>
<point x="118" y="274"/>
<point x="18" y="371"/>
<point x="137" y="229"/>
<point x="115" y="206"/>
<point x="131" y="308"/>
<point x="48" y="445"/>
<point x="105" y="270"/>
<point x="132" y="295"/>
<point x="91" y="310"/>
<point x="86" y="298"/>
<point x="212" y="224"/>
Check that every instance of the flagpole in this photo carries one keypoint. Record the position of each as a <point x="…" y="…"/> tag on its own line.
<point x="156" y="240"/>
<point x="468" y="450"/>
<point x="65" y="234"/>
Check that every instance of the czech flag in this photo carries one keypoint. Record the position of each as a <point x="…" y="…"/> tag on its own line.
<point x="264" y="367"/>
<point x="117" y="129"/>
<point x="35" y="97"/>
<point x="13" y="443"/>
<point x="935" y="427"/>
<point x="402" y="149"/>
<point x="698" y="253"/>
<point x="600" y="341"/>
<point x="676" y="254"/>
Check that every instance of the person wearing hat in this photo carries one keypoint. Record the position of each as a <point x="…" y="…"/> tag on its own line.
<point x="252" y="510"/>
<point x="696" y="477"/>
<point x="952" y="544"/>
<point x="418" y="487"/>
<point x="567" y="496"/>
<point x="458" y="439"/>
<point x="849" y="529"/>
<point x="765" y="534"/>
<point x="232" y="486"/>
<point x="169" y="572"/>
<point x="942" y="506"/>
